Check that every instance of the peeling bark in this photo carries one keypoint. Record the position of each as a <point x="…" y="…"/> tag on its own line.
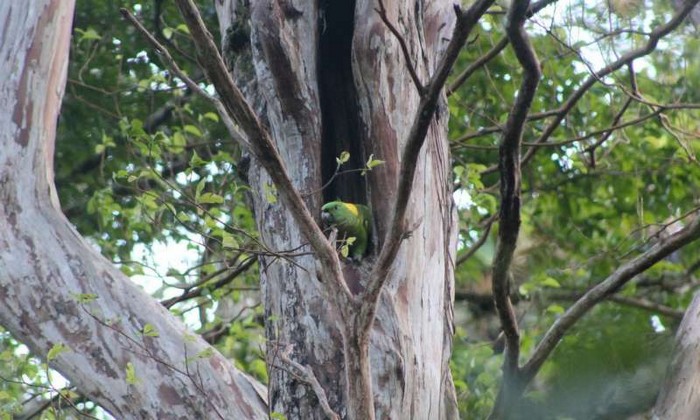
<point x="48" y="271"/>
<point x="412" y="334"/>
<point x="679" y="397"/>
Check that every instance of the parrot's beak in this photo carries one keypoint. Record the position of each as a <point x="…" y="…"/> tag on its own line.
<point x="326" y="217"/>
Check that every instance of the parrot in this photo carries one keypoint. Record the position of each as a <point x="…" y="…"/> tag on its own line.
<point x="352" y="221"/>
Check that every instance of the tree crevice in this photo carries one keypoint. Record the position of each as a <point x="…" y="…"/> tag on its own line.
<point x="339" y="106"/>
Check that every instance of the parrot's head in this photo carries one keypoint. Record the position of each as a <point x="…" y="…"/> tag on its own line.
<point x="335" y="211"/>
<point x="351" y="221"/>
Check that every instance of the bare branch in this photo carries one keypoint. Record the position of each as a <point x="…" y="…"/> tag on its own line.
<point x="654" y="37"/>
<point x="498" y="128"/>
<point x="307" y="375"/>
<point x="509" y="217"/>
<point x="639" y="303"/>
<point x="610" y="285"/>
<point x="493" y="52"/>
<point x="480" y="242"/>
<point x="476" y="65"/>
<point x="199" y="291"/>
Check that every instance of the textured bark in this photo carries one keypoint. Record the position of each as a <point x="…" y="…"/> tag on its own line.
<point x="679" y="397"/>
<point x="412" y="335"/>
<point x="45" y="264"/>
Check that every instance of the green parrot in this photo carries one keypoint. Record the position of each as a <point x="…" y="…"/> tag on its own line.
<point x="352" y="221"/>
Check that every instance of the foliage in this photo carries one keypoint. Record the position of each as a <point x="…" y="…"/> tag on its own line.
<point x="590" y="200"/>
<point x="141" y="162"/>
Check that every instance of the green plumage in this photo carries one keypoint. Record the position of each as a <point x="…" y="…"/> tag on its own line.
<point x="352" y="221"/>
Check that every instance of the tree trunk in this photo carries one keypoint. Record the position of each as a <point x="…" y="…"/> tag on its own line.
<point x="330" y="77"/>
<point x="122" y="349"/>
<point x="679" y="397"/>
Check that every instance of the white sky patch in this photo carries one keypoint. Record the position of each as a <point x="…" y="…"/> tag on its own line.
<point x="463" y="199"/>
<point x="159" y="259"/>
<point x="656" y="324"/>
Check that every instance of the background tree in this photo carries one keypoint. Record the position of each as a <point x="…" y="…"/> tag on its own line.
<point x="607" y="159"/>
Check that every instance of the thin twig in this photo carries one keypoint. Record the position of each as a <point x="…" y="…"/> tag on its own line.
<point x="639" y="303"/>
<point x="654" y="37"/>
<point x="199" y="291"/>
<point x="493" y="52"/>
<point x="194" y="87"/>
<point x="480" y="242"/>
<point x="306" y="374"/>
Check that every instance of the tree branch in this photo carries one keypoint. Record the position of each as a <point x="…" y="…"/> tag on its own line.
<point x="654" y="37"/>
<point x="306" y="374"/>
<point x="639" y="303"/>
<point x="480" y="242"/>
<point x="509" y="217"/>
<point x="466" y="20"/>
<point x="493" y="52"/>
<point x="610" y="285"/>
<point x="199" y="291"/>
<point x="260" y="144"/>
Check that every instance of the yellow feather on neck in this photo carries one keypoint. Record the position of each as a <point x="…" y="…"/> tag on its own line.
<point x="352" y="209"/>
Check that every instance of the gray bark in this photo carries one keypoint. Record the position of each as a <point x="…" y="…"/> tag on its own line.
<point x="45" y="264"/>
<point x="679" y="397"/>
<point x="412" y="335"/>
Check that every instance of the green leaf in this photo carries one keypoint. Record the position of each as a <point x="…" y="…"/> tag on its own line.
<point x="196" y="161"/>
<point x="168" y="33"/>
<point x="87" y="35"/>
<point x="192" y="130"/>
<point x="550" y="282"/>
<point x="210" y="198"/>
<point x="131" y="377"/>
<point x="372" y="163"/>
<point x="229" y="241"/>
<point x="199" y="188"/>
<point x="149" y="331"/>
<point x="55" y="350"/>
<point x="183" y="217"/>
<point x="555" y="309"/>
<point x="343" y="158"/>
<point x="84" y="297"/>
<point x="212" y="116"/>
